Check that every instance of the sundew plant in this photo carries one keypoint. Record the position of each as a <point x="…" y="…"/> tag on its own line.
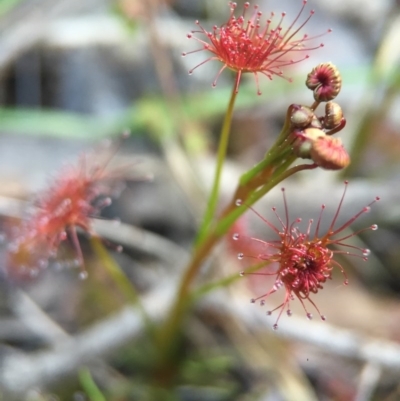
<point x="292" y="258"/>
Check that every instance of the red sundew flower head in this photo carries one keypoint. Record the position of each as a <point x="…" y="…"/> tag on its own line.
<point x="252" y="45"/>
<point x="77" y="195"/>
<point x="305" y="259"/>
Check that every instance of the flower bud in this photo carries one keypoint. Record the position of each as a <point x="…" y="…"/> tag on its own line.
<point x="333" y="115"/>
<point x="325" y="81"/>
<point x="329" y="153"/>
<point x="301" y="116"/>
<point x="312" y="134"/>
<point x="316" y="123"/>
<point x="304" y="142"/>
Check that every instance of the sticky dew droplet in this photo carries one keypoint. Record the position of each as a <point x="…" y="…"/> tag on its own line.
<point x="53" y="254"/>
<point x="309" y="316"/>
<point x="107" y="202"/>
<point x="33" y="273"/>
<point x="240" y="256"/>
<point x="13" y="247"/>
<point x="262" y="302"/>
<point x="78" y="396"/>
<point x="289" y="312"/>
<point x="58" y="266"/>
<point x="238" y="202"/>
<point x="366" y="252"/>
<point x="75" y="263"/>
<point x="42" y="263"/>
<point x="241" y="274"/>
<point x="126" y="133"/>
<point x="23" y="269"/>
<point x="275" y="326"/>
<point x="83" y="275"/>
<point x="374" y="227"/>
<point x="323" y="317"/>
<point x="33" y="394"/>
<point x="235" y="236"/>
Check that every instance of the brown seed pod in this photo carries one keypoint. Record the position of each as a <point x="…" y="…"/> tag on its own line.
<point x="333" y="115"/>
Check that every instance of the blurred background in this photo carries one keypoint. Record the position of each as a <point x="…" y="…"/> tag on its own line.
<point x="75" y="74"/>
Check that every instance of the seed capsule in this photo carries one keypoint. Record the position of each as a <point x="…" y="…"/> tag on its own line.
<point x="329" y="153"/>
<point x="333" y="115"/>
<point x="304" y="142"/>
<point x="315" y="123"/>
<point x="301" y="116"/>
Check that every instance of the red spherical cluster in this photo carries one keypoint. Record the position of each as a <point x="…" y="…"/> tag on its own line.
<point x="77" y="195"/>
<point x="305" y="260"/>
<point x="325" y="82"/>
<point x="248" y="45"/>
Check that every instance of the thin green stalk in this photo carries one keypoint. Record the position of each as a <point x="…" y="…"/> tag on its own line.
<point x="222" y="147"/>
<point x="267" y="161"/>
<point x="120" y="279"/>
<point x="90" y="386"/>
<point x="202" y="251"/>
<point x="274" y="153"/>
<point x="281" y="174"/>
<point x="223" y="225"/>
<point x="224" y="282"/>
<point x="275" y="169"/>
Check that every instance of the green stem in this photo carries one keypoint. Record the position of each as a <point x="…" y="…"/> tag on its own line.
<point x="274" y="153"/>
<point x="256" y="184"/>
<point x="90" y="386"/>
<point x="224" y="282"/>
<point x="202" y="251"/>
<point x="222" y="147"/>
<point x="269" y="160"/>
<point x="120" y="279"/>
<point x="281" y="174"/>
<point x="234" y="213"/>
